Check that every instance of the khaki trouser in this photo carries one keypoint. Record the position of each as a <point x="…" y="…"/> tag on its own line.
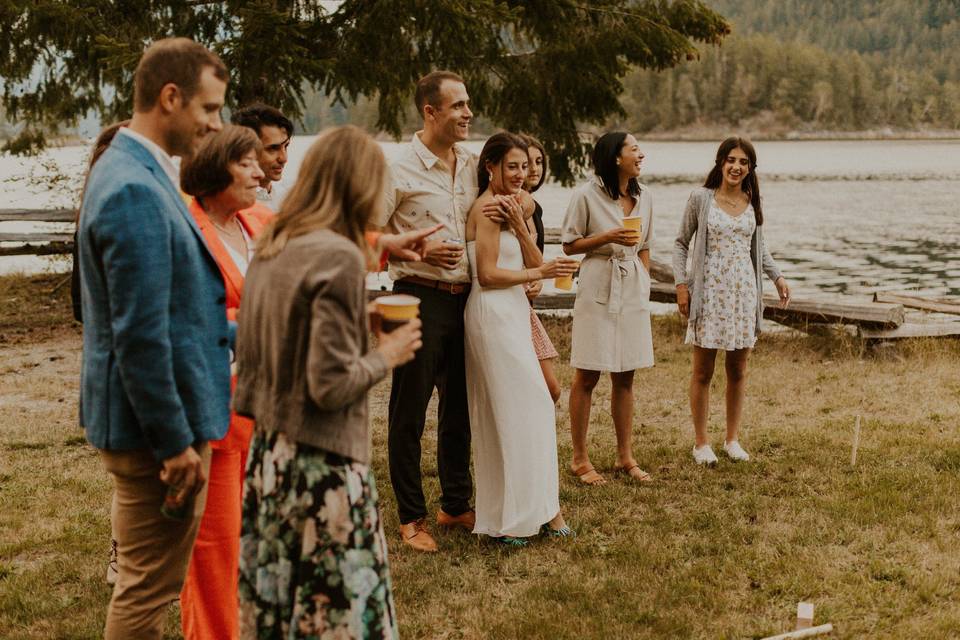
<point x="153" y="551"/>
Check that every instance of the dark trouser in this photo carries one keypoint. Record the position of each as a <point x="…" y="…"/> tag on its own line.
<point x="439" y="363"/>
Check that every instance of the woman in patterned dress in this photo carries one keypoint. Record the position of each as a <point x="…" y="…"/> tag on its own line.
<point x="721" y="294"/>
<point x="313" y="557"/>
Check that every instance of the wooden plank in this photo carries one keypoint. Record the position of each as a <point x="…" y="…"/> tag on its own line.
<point x="551" y="235"/>
<point x="37" y="215"/>
<point x="48" y="249"/>
<point x="874" y="315"/>
<point x="36" y="237"/>
<point x="554" y="301"/>
<point x="940" y="305"/>
<point x="661" y="271"/>
<point x="800" y="313"/>
<point x="913" y="330"/>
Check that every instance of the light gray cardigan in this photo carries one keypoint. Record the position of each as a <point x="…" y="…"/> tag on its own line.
<point x="694" y="219"/>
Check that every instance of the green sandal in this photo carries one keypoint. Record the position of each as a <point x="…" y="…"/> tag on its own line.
<point x="510" y="541"/>
<point x="562" y="532"/>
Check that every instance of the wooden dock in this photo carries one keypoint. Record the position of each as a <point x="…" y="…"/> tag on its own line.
<point x="884" y="318"/>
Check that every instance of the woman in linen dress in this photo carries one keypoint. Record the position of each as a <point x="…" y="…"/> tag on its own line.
<point x="721" y="294"/>
<point x="512" y="418"/>
<point x="611" y="315"/>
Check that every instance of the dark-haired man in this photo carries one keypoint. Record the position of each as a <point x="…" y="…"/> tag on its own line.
<point x="275" y="131"/>
<point x="433" y="181"/>
<point x="155" y="377"/>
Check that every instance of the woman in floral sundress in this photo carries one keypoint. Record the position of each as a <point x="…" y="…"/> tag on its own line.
<point x="721" y="294"/>
<point x="313" y="558"/>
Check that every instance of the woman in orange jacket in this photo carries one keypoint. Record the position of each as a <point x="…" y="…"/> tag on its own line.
<point x="222" y="178"/>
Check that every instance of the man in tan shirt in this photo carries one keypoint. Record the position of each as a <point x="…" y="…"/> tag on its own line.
<point x="434" y="181"/>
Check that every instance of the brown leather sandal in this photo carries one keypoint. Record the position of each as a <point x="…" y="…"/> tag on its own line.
<point x="588" y="475"/>
<point x="636" y="473"/>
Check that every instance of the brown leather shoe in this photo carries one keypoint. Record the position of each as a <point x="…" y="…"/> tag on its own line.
<point x="467" y="519"/>
<point x="415" y="534"/>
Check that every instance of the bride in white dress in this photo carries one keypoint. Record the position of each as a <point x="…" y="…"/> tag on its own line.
<point x="512" y="417"/>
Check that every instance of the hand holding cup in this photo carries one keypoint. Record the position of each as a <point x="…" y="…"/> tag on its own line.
<point x="559" y="267"/>
<point x="400" y="345"/>
<point x="623" y="236"/>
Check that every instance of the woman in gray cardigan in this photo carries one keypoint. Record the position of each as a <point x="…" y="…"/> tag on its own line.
<point x="721" y="295"/>
<point x="313" y="557"/>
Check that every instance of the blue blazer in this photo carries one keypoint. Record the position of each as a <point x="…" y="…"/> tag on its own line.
<point x="156" y="359"/>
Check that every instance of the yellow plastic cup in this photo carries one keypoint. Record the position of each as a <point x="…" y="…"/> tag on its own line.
<point x="634" y="223"/>
<point x="397" y="310"/>
<point x="564" y="283"/>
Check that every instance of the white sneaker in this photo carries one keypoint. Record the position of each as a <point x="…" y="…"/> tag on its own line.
<point x="704" y="456"/>
<point x="735" y="451"/>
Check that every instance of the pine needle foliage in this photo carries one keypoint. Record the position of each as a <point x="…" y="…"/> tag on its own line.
<point x="548" y="67"/>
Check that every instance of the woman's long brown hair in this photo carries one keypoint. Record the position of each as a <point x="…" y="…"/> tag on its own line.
<point x="750" y="185"/>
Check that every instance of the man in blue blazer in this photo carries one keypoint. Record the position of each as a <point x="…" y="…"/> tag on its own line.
<point x="155" y="380"/>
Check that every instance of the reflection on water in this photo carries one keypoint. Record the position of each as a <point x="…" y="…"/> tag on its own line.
<point x="841" y="217"/>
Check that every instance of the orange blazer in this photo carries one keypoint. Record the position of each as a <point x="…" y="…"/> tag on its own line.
<point x="253" y="220"/>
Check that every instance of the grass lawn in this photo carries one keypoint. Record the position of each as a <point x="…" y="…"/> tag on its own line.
<point x="721" y="553"/>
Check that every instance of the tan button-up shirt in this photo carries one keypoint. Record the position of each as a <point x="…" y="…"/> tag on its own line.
<point x="422" y="193"/>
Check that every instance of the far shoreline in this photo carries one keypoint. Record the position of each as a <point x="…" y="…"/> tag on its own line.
<point x="699" y="134"/>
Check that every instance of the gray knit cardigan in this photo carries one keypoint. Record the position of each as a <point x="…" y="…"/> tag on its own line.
<point x="694" y="219"/>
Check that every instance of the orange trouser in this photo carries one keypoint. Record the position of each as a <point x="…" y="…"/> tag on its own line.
<point x="209" y="603"/>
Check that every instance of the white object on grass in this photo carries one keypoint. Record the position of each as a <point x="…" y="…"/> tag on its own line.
<point x="856" y="442"/>
<point x="803" y="633"/>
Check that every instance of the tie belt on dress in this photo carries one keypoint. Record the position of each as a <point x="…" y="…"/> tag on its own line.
<point x="612" y="294"/>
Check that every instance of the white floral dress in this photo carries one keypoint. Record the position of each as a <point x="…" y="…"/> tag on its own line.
<point x="728" y="317"/>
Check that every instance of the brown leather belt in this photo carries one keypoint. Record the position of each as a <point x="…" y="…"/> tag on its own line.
<point x="455" y="288"/>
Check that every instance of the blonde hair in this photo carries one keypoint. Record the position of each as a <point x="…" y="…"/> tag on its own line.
<point x="340" y="187"/>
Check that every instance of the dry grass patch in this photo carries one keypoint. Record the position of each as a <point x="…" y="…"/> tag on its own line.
<point x="722" y="553"/>
<point x="35" y="308"/>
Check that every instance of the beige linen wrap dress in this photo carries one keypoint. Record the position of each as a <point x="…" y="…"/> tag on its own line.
<point x="611" y="315"/>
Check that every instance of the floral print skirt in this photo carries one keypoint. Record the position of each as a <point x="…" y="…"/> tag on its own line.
<point x="313" y="557"/>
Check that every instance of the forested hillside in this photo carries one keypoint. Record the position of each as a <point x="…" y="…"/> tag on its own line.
<point x="813" y="65"/>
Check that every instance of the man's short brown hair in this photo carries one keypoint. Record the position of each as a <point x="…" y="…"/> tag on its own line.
<point x="428" y="88"/>
<point x="178" y="61"/>
<point x="207" y="172"/>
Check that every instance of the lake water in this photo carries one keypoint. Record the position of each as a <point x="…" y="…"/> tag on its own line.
<point x="841" y="217"/>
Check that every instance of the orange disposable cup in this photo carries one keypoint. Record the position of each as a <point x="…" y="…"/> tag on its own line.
<point x="564" y="283"/>
<point x="634" y="223"/>
<point x="397" y="310"/>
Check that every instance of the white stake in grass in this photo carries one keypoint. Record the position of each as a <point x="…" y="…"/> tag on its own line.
<point x="803" y="633"/>
<point x="856" y="442"/>
<point x="805" y="615"/>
